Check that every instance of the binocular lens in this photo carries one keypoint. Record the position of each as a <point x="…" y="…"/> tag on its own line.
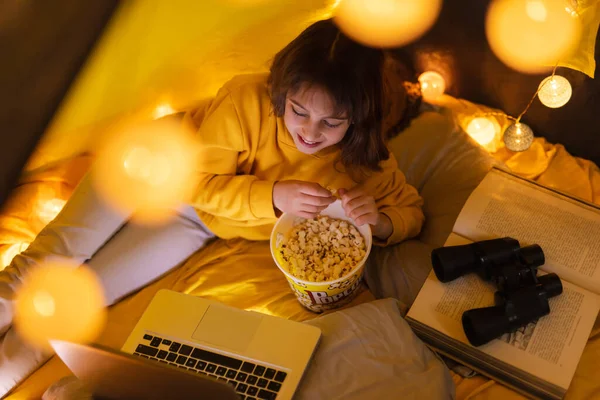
<point x="482" y="325"/>
<point x="533" y="255"/>
<point x="452" y="262"/>
<point x="551" y="284"/>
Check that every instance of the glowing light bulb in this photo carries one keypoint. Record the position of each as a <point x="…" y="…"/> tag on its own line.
<point x="386" y="23"/>
<point x="555" y="91"/>
<point x="48" y="210"/>
<point x="518" y="137"/>
<point x="433" y="85"/>
<point x="482" y="130"/>
<point x="59" y="301"/>
<point x="11" y="252"/>
<point x="162" y="111"/>
<point x="530" y="35"/>
<point x="147" y="169"/>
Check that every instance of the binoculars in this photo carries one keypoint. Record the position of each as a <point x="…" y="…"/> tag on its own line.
<point x="522" y="296"/>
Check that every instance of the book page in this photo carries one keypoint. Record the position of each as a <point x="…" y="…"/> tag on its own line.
<point x="549" y="348"/>
<point x="568" y="231"/>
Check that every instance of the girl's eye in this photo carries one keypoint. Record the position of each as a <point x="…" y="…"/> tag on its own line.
<point x="297" y="113"/>
<point x="327" y="124"/>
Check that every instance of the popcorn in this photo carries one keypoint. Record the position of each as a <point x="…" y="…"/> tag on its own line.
<point x="322" y="249"/>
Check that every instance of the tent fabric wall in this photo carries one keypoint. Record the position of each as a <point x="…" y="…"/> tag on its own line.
<point x="177" y="53"/>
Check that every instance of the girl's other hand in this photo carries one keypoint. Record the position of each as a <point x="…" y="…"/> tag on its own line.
<point x="300" y="198"/>
<point x="361" y="207"/>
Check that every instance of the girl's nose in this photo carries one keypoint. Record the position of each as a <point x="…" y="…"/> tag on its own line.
<point x="311" y="134"/>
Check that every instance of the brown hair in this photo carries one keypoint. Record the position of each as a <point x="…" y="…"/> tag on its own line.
<point x="352" y="74"/>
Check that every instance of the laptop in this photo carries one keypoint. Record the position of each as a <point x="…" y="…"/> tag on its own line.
<point x="201" y="347"/>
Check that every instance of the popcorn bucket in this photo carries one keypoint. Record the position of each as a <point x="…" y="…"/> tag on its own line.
<point x="327" y="295"/>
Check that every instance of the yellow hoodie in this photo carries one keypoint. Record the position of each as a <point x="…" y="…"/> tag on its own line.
<point x="245" y="149"/>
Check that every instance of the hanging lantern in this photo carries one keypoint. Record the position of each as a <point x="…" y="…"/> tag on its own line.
<point x="518" y="137"/>
<point x="555" y="91"/>
<point x="433" y="85"/>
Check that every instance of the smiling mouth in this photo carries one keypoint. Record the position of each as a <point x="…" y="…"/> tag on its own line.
<point x="308" y="143"/>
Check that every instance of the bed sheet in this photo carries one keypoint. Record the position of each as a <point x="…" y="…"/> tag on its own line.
<point x="242" y="274"/>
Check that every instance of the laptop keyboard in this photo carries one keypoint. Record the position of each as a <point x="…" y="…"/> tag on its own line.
<point x="250" y="380"/>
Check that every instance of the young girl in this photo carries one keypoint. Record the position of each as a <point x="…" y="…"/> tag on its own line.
<point x="291" y="141"/>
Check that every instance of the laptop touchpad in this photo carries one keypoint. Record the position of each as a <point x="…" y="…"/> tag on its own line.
<point x="227" y="327"/>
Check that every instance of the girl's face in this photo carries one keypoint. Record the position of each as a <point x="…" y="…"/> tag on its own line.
<point x="311" y="118"/>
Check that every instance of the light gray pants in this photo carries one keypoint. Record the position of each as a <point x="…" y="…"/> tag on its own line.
<point x="125" y="256"/>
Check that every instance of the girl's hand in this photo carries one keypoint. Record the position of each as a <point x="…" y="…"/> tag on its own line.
<point x="361" y="207"/>
<point x="303" y="199"/>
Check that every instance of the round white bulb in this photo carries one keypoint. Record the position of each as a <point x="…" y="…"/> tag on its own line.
<point x="482" y="130"/>
<point x="555" y="91"/>
<point x="433" y="85"/>
<point x="518" y="137"/>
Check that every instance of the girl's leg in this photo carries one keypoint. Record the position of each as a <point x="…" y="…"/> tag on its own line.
<point x="126" y="261"/>
<point x="85" y="223"/>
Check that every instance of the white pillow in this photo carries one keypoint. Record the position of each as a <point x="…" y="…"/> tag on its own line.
<point x="370" y="352"/>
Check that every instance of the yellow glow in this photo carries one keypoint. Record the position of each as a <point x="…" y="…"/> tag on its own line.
<point x="386" y="23"/>
<point x="531" y="35"/>
<point x="48" y="210"/>
<point x="433" y="85"/>
<point x="162" y="111"/>
<point x="482" y="130"/>
<point x="147" y="169"/>
<point x="555" y="91"/>
<point x="536" y="10"/>
<point x="59" y="301"/>
<point x="11" y="252"/>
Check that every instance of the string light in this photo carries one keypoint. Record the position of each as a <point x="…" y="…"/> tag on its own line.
<point x="433" y="85"/>
<point x="518" y="137"/>
<point x="482" y="130"/>
<point x="147" y="169"/>
<point x="59" y="301"/>
<point x="555" y="91"/>
<point x="386" y="23"/>
<point x="529" y="35"/>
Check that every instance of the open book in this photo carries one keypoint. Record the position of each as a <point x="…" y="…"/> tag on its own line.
<point x="539" y="360"/>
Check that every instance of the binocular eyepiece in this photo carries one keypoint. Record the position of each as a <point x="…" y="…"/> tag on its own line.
<point x="522" y="297"/>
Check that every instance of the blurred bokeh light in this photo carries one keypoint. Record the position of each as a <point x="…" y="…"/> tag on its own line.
<point x="59" y="301"/>
<point x="386" y="23"/>
<point x="147" y="169"/>
<point x="531" y="35"/>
